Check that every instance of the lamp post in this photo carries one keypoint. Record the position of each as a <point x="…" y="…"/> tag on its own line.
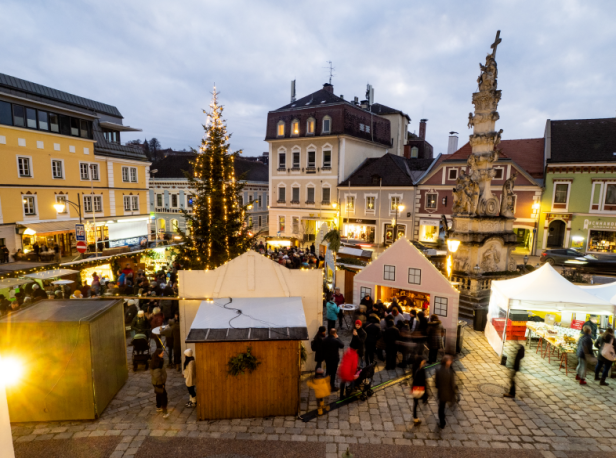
<point x="536" y="210"/>
<point x="452" y="247"/>
<point x="60" y="207"/>
<point x="399" y="208"/>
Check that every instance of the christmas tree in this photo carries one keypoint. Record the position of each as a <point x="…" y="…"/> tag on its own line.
<point x="216" y="231"/>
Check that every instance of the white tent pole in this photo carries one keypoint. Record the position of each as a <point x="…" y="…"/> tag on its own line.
<point x="505" y="330"/>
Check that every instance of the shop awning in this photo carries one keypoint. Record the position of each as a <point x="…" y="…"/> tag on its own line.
<point x="55" y="226"/>
<point x="54" y="273"/>
<point x="12" y="282"/>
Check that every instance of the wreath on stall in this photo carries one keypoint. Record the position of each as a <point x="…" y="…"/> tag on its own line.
<point x="243" y="362"/>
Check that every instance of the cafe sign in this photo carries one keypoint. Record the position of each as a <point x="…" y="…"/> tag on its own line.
<point x="600" y="225"/>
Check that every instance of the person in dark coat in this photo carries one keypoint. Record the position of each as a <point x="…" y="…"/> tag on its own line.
<point x="394" y="305"/>
<point x="159" y="380"/>
<point x="422" y="325"/>
<point x="607" y="338"/>
<point x="584" y="353"/>
<point x="339" y="300"/>
<point x="360" y="335"/>
<point x="140" y="324"/>
<point x="373" y="334"/>
<point x="445" y="381"/>
<point x="391" y="336"/>
<point x="419" y="383"/>
<point x="331" y="349"/>
<point x="171" y="332"/>
<point x="38" y="293"/>
<point x="592" y="324"/>
<point x="317" y="346"/>
<point x="434" y="333"/>
<point x="131" y="312"/>
<point x="368" y="303"/>
<point x="516" y="368"/>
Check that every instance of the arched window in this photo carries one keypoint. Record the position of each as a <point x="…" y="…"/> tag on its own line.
<point x="175" y="224"/>
<point x="280" y="131"/>
<point x="310" y="126"/>
<point x="327" y="125"/>
<point x="295" y="128"/>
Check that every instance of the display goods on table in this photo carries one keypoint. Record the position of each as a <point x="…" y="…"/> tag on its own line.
<point x="565" y="339"/>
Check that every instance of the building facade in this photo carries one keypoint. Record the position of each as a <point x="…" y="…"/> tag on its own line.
<point x="59" y="148"/>
<point x="315" y="143"/>
<point x="434" y="196"/>
<point x="170" y="192"/>
<point x="578" y="208"/>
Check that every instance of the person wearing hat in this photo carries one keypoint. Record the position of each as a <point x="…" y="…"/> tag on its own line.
<point x="140" y="324"/>
<point x="76" y="295"/>
<point x="348" y="369"/>
<point x="38" y="292"/>
<point x="190" y="374"/>
<point x="317" y="346"/>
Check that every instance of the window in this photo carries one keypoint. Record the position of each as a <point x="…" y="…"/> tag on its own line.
<point x="431" y="200"/>
<point x="361" y="127"/>
<point x="87" y="204"/>
<point x="370" y="203"/>
<point x="111" y="136"/>
<point x="65" y="125"/>
<point x="54" y="123"/>
<point x="498" y="173"/>
<point x="610" y="194"/>
<point x="19" y="116"/>
<point x="282" y="194"/>
<point x="389" y="273"/>
<point x="327" y="125"/>
<point x="267" y="200"/>
<point x="414" y="276"/>
<point x="251" y="199"/>
<point x="98" y="203"/>
<point x="84" y="172"/>
<point x="295" y="196"/>
<point x="282" y="160"/>
<point x="312" y="159"/>
<point x="367" y="128"/>
<point x="241" y="200"/>
<point x="326" y="195"/>
<point x="327" y="159"/>
<point x="365" y="291"/>
<point x="560" y="193"/>
<point x="295" y="220"/>
<point x="29" y="205"/>
<point x="259" y="202"/>
<point x="453" y="174"/>
<point x="125" y="177"/>
<point x="175" y="225"/>
<point x="310" y="126"/>
<point x="159" y="200"/>
<point x="281" y="223"/>
<point x="24" y="167"/>
<point x="131" y="203"/>
<point x="5" y="113"/>
<point x="42" y="120"/>
<point x="280" y="129"/>
<point x="440" y="306"/>
<point x="127" y="203"/>
<point x="350" y="203"/>
<point x="129" y="174"/>
<point x="31" y="118"/>
<point x="259" y="221"/>
<point x="75" y="127"/>
<point x="94" y="171"/>
<point x="414" y="152"/>
<point x="174" y="200"/>
<point x="56" y="169"/>
<point x="250" y="221"/>
<point x="133" y="174"/>
<point x="64" y="201"/>
<point x="395" y="201"/>
<point x="296" y="160"/>
<point x="310" y="198"/>
<point x="83" y="128"/>
<point x="295" y="128"/>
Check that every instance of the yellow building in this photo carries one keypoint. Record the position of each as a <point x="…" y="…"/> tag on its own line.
<point x="58" y="148"/>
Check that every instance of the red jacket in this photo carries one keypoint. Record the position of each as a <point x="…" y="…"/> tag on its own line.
<point x="348" y="366"/>
<point x="338" y="299"/>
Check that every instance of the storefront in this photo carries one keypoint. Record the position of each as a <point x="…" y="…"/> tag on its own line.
<point x="596" y="235"/>
<point x="390" y="229"/>
<point x="429" y="230"/>
<point x="524" y="239"/>
<point x="359" y="229"/>
<point x="47" y="235"/>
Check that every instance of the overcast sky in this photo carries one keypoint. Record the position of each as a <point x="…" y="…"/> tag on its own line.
<point x="158" y="60"/>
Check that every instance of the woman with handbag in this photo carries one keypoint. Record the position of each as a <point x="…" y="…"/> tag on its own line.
<point x="418" y="387"/>
<point x="606" y="357"/>
<point x="159" y="378"/>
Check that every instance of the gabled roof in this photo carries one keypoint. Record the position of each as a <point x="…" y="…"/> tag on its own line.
<point x="583" y="140"/>
<point x="38" y="90"/>
<point x="174" y="165"/>
<point x="380" y="109"/>
<point x="318" y="98"/>
<point x="393" y="170"/>
<point x="527" y="153"/>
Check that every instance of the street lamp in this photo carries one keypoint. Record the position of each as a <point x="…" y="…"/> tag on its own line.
<point x="61" y="207"/>
<point x="452" y="245"/>
<point x="399" y="208"/>
<point x="10" y="373"/>
<point x="536" y="211"/>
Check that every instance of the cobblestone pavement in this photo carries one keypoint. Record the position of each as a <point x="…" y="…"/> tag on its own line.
<point x="552" y="416"/>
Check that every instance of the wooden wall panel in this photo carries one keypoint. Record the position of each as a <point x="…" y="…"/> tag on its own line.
<point x="271" y="390"/>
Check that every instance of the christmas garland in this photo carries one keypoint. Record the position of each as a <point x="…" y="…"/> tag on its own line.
<point x="243" y="362"/>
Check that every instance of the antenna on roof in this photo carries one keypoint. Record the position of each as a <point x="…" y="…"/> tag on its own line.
<point x="331" y="71"/>
<point x="292" y="91"/>
<point x="370" y="94"/>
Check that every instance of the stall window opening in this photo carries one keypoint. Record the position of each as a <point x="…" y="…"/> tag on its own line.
<point x="414" y="276"/>
<point x="389" y="273"/>
<point x="440" y="306"/>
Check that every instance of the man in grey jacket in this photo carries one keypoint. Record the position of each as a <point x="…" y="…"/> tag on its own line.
<point x="584" y="352"/>
<point x="446" y="384"/>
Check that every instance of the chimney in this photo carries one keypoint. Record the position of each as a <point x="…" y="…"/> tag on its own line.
<point x="328" y="87"/>
<point x="364" y="104"/>
<point x="292" y="91"/>
<point x="453" y="143"/>
<point x="422" y="129"/>
<point x="356" y="100"/>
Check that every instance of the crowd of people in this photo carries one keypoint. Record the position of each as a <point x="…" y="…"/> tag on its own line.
<point x="606" y="352"/>
<point x="293" y="257"/>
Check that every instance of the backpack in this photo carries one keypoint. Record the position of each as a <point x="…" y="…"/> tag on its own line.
<point x="313" y="344"/>
<point x="607" y="351"/>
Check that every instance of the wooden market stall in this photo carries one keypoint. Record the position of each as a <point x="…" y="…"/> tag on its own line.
<point x="271" y="329"/>
<point x="403" y="272"/>
<point x="74" y="358"/>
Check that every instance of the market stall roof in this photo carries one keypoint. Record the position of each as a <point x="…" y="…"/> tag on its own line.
<point x="54" y="273"/>
<point x="546" y="288"/>
<point x="12" y="282"/>
<point x="260" y="318"/>
<point x="607" y="292"/>
<point x="61" y="310"/>
<point x="355" y="252"/>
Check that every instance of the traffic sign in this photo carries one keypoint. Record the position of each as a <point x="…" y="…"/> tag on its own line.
<point x="82" y="247"/>
<point x="80" y="232"/>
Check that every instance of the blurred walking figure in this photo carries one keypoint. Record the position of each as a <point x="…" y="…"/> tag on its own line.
<point x="418" y="387"/>
<point x="159" y="379"/>
<point x="516" y="367"/>
<point x="446" y="386"/>
<point x="584" y="354"/>
<point x="331" y="350"/>
<point x="321" y="386"/>
<point x="434" y="333"/>
<point x="607" y="355"/>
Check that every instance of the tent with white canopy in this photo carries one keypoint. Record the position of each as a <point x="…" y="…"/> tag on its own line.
<point x="606" y="292"/>
<point x="542" y="290"/>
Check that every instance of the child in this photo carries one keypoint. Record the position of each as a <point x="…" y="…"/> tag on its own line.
<point x="190" y="374"/>
<point x="320" y="385"/>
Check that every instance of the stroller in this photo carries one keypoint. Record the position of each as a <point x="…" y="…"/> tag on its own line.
<point x="364" y="381"/>
<point x="141" y="351"/>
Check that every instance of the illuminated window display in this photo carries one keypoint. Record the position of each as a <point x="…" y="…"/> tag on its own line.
<point x="428" y="231"/>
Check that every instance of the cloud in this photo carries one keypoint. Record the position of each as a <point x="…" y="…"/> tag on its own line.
<point x="157" y="60"/>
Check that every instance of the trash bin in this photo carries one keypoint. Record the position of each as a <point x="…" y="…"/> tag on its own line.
<point x="480" y="319"/>
<point x="460" y="336"/>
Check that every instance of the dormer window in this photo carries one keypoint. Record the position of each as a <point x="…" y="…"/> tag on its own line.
<point x="111" y="136"/>
<point x="414" y="152"/>
<point x="295" y="128"/>
<point x="310" y="126"/>
<point x="280" y="129"/>
<point x="327" y="125"/>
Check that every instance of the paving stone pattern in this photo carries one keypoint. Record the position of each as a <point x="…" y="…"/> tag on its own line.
<point x="552" y="414"/>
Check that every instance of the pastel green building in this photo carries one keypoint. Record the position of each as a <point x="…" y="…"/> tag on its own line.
<point x="578" y="206"/>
